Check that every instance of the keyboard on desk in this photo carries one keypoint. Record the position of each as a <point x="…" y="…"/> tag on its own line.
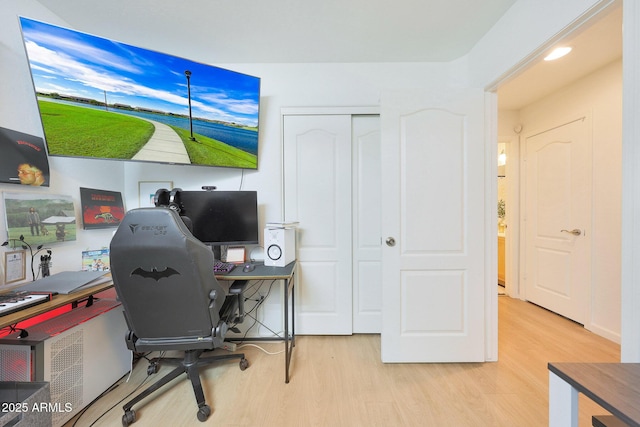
<point x="220" y="267"/>
<point x="19" y="300"/>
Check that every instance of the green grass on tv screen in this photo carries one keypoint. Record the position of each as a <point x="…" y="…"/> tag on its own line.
<point x="87" y="132"/>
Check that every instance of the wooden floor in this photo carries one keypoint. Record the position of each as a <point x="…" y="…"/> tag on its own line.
<point x="340" y="381"/>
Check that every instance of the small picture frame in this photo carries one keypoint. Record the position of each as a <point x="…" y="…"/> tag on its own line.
<point x="14" y="266"/>
<point x="235" y="254"/>
<point x="96" y="260"/>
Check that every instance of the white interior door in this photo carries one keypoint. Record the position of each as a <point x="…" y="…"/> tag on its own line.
<point x="558" y="219"/>
<point x="317" y="193"/>
<point x="367" y="200"/>
<point x="433" y="222"/>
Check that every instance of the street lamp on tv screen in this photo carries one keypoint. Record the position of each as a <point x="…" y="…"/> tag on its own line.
<point x="99" y="98"/>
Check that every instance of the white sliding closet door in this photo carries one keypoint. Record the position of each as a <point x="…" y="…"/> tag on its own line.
<point x="317" y="193"/>
<point x="367" y="250"/>
<point x="332" y="187"/>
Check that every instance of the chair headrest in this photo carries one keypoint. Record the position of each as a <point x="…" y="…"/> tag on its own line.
<point x="151" y="222"/>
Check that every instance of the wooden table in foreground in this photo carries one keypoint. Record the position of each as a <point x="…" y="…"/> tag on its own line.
<point x="614" y="386"/>
<point x="56" y="301"/>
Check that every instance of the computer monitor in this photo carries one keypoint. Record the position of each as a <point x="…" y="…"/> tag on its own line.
<point x="222" y="218"/>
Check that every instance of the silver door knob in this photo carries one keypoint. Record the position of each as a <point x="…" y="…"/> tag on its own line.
<point x="391" y="242"/>
<point x="575" y="232"/>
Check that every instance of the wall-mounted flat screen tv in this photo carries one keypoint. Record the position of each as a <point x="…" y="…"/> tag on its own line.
<point x="99" y="98"/>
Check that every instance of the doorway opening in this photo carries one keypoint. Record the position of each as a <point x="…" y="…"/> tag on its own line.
<point x="521" y="99"/>
<point x="502" y="218"/>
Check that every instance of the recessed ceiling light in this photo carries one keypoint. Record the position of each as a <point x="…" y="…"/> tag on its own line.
<point x="558" y="52"/>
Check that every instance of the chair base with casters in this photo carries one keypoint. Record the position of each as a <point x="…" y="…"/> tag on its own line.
<point x="189" y="365"/>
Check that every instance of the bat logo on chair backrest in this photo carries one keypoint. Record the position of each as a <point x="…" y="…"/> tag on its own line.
<point x="154" y="274"/>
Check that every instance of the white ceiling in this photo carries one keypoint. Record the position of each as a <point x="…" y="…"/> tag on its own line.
<point x="294" y="31"/>
<point x="290" y="31"/>
<point x="597" y="44"/>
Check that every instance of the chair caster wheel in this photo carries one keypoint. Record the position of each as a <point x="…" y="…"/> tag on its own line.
<point x="152" y="369"/>
<point x="129" y="417"/>
<point x="244" y="364"/>
<point x="203" y="413"/>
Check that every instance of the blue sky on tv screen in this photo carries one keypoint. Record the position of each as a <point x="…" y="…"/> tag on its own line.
<point x="71" y="63"/>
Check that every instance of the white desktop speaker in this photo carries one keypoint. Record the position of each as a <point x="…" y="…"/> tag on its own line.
<point x="279" y="246"/>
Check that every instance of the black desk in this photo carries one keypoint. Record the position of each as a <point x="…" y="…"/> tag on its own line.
<point x="287" y="275"/>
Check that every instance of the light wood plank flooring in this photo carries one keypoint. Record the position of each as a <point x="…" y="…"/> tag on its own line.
<point x="340" y="381"/>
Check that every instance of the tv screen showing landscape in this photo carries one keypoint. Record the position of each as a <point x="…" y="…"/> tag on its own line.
<point x="99" y="98"/>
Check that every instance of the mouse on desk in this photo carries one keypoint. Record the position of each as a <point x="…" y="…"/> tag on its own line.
<point x="248" y="268"/>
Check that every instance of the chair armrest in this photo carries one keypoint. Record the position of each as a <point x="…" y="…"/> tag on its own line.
<point x="232" y="310"/>
<point x="238" y="287"/>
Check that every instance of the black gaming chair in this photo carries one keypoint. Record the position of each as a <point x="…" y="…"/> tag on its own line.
<point x="172" y="301"/>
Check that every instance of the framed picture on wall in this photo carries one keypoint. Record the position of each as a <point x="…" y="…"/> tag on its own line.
<point x="14" y="266"/>
<point x="24" y="159"/>
<point x="101" y="208"/>
<point x="41" y="219"/>
<point x="147" y="189"/>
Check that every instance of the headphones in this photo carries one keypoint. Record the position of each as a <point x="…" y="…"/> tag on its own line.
<point x="170" y="199"/>
<point x="161" y="198"/>
<point x="174" y="200"/>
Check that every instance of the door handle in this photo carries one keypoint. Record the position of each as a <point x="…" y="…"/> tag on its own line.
<point x="391" y="242"/>
<point x="575" y="232"/>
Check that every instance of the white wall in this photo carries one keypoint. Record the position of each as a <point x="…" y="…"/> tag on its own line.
<point x="600" y="96"/>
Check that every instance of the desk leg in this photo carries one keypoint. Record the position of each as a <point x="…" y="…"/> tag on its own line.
<point x="293" y="312"/>
<point x="563" y="403"/>
<point x="289" y="340"/>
